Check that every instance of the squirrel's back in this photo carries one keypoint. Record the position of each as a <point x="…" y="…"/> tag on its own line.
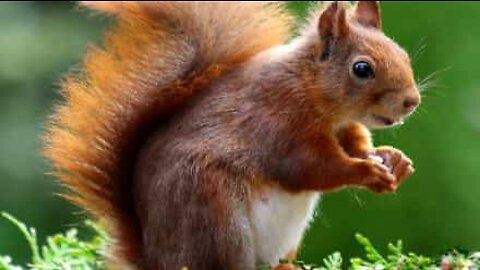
<point x="156" y="57"/>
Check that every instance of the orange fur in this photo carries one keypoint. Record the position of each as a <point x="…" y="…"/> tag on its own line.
<point x="149" y="65"/>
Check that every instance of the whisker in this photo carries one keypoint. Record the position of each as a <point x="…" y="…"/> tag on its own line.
<point x="419" y="49"/>
<point x="426" y="82"/>
<point x="429" y="86"/>
<point x="433" y="74"/>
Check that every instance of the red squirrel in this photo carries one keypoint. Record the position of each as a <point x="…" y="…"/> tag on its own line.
<point x="201" y="134"/>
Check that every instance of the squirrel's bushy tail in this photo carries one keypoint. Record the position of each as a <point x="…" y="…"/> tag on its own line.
<point x="156" y="57"/>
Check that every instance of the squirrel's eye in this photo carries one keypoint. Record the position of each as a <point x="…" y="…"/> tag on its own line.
<point x="362" y="70"/>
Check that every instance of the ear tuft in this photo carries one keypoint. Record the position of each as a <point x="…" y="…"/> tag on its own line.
<point x="368" y="14"/>
<point x="333" y="21"/>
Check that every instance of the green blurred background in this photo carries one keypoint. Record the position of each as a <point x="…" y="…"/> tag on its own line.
<point x="437" y="209"/>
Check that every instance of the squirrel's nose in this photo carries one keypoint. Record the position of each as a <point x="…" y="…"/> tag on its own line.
<point x="410" y="103"/>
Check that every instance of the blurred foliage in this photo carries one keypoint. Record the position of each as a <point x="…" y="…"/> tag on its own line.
<point x="437" y="209"/>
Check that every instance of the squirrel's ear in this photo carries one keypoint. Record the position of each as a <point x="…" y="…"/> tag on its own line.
<point x="333" y="21"/>
<point x="332" y="26"/>
<point x="367" y="13"/>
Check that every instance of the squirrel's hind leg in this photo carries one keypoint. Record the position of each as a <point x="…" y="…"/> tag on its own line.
<point x="193" y="218"/>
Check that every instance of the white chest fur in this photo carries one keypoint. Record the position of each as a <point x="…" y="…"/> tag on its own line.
<point x="279" y="220"/>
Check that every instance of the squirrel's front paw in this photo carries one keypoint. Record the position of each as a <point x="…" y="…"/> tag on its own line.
<point x="397" y="162"/>
<point x="377" y="176"/>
